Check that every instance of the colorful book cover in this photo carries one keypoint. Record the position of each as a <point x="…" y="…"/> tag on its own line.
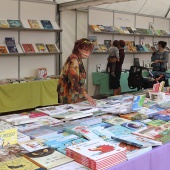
<point x="134" y="125"/>
<point x="156" y="122"/>
<point x="15" y="23"/>
<point x="12" y="49"/>
<point x="73" y="165"/>
<point x="8" y="137"/>
<point x="103" y="48"/>
<point x="10" y="43"/>
<point x="116" y="121"/>
<point x="22" y="137"/>
<point x="3" y="49"/>
<point x="4" y="23"/>
<point x="34" y="24"/>
<point x="41" y="47"/>
<point x="48" y="158"/>
<point x="32" y="145"/>
<point x="95" y="28"/>
<point x="96" y="149"/>
<point x="20" y="163"/>
<point x="47" y="24"/>
<point x="52" y="48"/>
<point x="47" y="120"/>
<point x="138" y="141"/>
<point x="119" y="130"/>
<point x="28" y="48"/>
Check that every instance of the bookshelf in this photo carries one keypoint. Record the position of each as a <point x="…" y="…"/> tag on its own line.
<point x="24" y="64"/>
<point x="98" y="16"/>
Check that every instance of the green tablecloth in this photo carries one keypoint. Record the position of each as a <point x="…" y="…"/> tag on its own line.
<point x="102" y="79"/>
<point x="28" y="95"/>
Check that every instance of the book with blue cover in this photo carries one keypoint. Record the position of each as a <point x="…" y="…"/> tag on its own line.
<point x="47" y="24"/>
<point x="10" y="43"/>
<point x="134" y="125"/>
<point x="137" y="140"/>
<point x="15" y="23"/>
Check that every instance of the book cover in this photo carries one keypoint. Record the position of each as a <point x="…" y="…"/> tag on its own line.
<point x="4" y="23"/>
<point x="10" y="43"/>
<point x="52" y="48"/>
<point x="48" y="158"/>
<point x="116" y="121"/>
<point x="3" y="49"/>
<point x="138" y="141"/>
<point x="19" y="164"/>
<point x="32" y="145"/>
<point x="134" y="125"/>
<point x="95" y="28"/>
<point x="47" y="24"/>
<point x="8" y="137"/>
<point x="93" y="39"/>
<point x="103" y="48"/>
<point x="28" y="48"/>
<point x="34" y="24"/>
<point x="107" y="43"/>
<point x="15" y="23"/>
<point x="41" y="47"/>
<point x="22" y="137"/>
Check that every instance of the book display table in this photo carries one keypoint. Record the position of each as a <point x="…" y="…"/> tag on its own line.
<point x="157" y="159"/>
<point x="28" y="95"/>
<point x="102" y="79"/>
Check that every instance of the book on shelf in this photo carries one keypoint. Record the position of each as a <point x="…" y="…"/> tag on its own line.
<point x="28" y="48"/>
<point x="107" y="43"/>
<point x="34" y="24"/>
<point x="102" y="28"/>
<point x="15" y="23"/>
<point x="130" y="30"/>
<point x="103" y="48"/>
<point x="4" y="23"/>
<point x="47" y="24"/>
<point x="108" y="28"/>
<point x="41" y="47"/>
<point x="93" y="39"/>
<point x="120" y="30"/>
<point x="48" y="158"/>
<point x="20" y="163"/>
<point x="10" y="43"/>
<point x="125" y="30"/>
<point x="3" y="49"/>
<point x="52" y="48"/>
<point x="95" y="28"/>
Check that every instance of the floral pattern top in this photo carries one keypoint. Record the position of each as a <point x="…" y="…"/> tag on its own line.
<point x="71" y="81"/>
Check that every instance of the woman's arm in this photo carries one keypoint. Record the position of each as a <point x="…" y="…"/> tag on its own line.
<point x="166" y="57"/>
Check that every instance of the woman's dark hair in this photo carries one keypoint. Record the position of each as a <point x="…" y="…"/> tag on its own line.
<point x="83" y="43"/>
<point x="162" y="43"/>
<point x="121" y="43"/>
<point x="115" y="43"/>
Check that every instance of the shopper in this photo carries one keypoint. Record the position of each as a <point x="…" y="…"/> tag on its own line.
<point x="115" y="84"/>
<point x="73" y="75"/>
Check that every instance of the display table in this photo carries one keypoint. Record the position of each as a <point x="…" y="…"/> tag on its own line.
<point x="28" y="95"/>
<point x="157" y="159"/>
<point x="102" y="79"/>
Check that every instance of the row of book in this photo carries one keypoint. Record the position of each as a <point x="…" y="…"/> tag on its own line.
<point x="12" y="47"/>
<point x="129" y="30"/>
<point x="80" y="136"/>
<point x="30" y="23"/>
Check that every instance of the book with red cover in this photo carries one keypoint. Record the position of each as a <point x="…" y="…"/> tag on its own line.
<point x="28" y="48"/>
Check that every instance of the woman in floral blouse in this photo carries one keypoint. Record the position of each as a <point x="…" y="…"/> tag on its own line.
<point x="73" y="75"/>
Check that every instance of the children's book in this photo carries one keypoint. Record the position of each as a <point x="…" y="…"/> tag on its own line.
<point x="34" y="24"/>
<point x="4" y="23"/>
<point x="116" y="121"/>
<point x="41" y="47"/>
<point x="134" y="125"/>
<point x="52" y="48"/>
<point x="22" y="137"/>
<point x="47" y="24"/>
<point x="15" y="23"/>
<point x="20" y="163"/>
<point x="48" y="158"/>
<point x="28" y="48"/>
<point x="10" y="43"/>
<point x="138" y="141"/>
<point x="3" y="49"/>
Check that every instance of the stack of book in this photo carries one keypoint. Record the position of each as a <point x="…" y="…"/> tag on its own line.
<point x="97" y="154"/>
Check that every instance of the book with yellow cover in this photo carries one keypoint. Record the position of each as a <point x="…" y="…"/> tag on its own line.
<point x="20" y="163"/>
<point x="3" y="23"/>
<point x="34" y="24"/>
<point x="8" y="137"/>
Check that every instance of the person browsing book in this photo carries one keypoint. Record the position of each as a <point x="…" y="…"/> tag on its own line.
<point x="73" y="75"/>
<point x="113" y="53"/>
